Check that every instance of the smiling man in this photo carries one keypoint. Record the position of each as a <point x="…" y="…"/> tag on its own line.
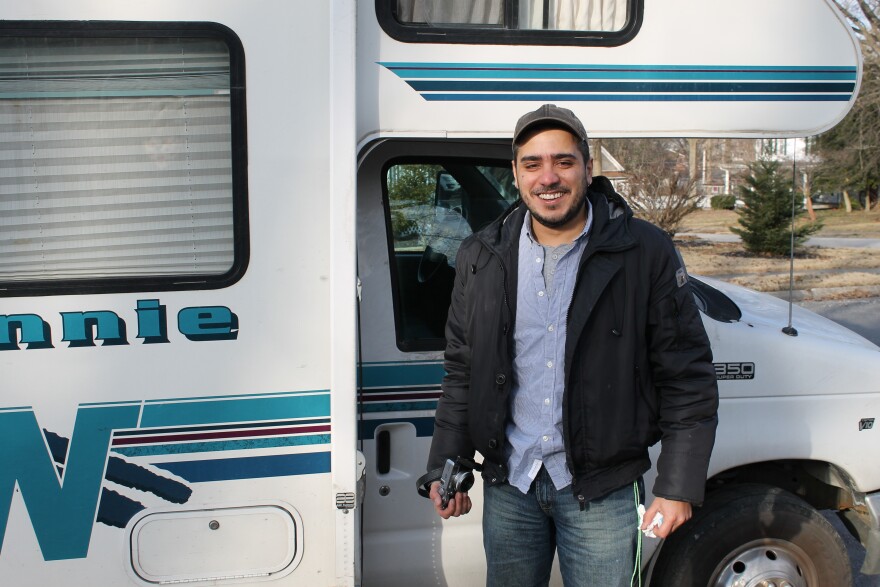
<point x="573" y="344"/>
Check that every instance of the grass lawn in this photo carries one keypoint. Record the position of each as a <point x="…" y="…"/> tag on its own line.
<point x="814" y="267"/>
<point x="857" y="224"/>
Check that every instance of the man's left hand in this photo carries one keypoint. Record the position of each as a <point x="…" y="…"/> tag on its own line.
<point x="675" y="513"/>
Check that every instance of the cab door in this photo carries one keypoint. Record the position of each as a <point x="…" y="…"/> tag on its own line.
<point x="417" y="200"/>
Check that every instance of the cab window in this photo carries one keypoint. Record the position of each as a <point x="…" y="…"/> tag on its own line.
<point x="433" y="205"/>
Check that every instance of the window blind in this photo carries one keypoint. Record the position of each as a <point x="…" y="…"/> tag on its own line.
<point x="115" y="158"/>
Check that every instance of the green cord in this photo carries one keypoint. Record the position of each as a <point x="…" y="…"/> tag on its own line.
<point x="637" y="567"/>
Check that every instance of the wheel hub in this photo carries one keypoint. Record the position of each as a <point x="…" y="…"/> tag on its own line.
<point x="767" y="563"/>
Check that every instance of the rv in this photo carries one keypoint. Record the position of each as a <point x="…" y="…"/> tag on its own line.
<point x="227" y="232"/>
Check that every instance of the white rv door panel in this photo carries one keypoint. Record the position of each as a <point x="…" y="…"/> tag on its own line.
<point x="403" y="305"/>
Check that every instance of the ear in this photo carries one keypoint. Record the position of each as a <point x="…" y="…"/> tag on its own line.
<point x="589" y="171"/>
<point x="513" y="166"/>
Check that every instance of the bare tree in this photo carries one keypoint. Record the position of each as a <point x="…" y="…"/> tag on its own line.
<point x="851" y="150"/>
<point x="659" y="182"/>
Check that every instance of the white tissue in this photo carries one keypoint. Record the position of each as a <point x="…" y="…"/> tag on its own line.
<point x="655" y="523"/>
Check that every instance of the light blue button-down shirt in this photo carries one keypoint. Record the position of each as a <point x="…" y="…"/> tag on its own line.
<point x="545" y="284"/>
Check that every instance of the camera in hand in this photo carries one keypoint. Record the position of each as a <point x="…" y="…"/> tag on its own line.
<point x="456" y="477"/>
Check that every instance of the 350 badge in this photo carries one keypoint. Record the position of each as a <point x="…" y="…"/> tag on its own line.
<point x="734" y="371"/>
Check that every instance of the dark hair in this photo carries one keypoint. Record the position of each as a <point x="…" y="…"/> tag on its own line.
<point x="583" y="146"/>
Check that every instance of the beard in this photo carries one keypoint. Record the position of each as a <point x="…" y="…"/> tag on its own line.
<point x="576" y="206"/>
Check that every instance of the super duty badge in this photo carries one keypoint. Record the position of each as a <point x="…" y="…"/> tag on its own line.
<point x="734" y="371"/>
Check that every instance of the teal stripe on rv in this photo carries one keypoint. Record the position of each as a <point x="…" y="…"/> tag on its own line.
<point x="624" y="75"/>
<point x="596" y="82"/>
<point x="502" y="70"/>
<point x="401" y="374"/>
<point x="239" y="409"/>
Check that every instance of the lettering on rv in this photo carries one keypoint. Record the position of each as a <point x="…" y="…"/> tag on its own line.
<point x="82" y="329"/>
<point x="62" y="513"/>
<point x="61" y="482"/>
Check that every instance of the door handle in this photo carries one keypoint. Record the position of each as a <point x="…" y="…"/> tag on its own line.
<point x="383" y="452"/>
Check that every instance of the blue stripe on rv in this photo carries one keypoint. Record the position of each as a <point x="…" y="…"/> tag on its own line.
<point x="249" y="467"/>
<point x="398" y="407"/>
<point x="221" y="445"/>
<point x="648" y="87"/>
<point x="614" y="67"/>
<point x="400" y="376"/>
<point x="678" y="83"/>
<point x="639" y="98"/>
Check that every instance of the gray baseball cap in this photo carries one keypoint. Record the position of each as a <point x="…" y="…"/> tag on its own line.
<point x="550" y="113"/>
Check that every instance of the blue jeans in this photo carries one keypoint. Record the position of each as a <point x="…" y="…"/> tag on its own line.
<point x="596" y="546"/>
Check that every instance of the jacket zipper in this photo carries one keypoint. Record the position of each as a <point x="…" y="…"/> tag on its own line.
<point x="566" y="418"/>
<point x="506" y="297"/>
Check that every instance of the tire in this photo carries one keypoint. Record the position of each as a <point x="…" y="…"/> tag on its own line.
<point x="753" y="536"/>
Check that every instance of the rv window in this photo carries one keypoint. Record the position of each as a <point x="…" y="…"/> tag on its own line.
<point x="432" y="206"/>
<point x="608" y="22"/>
<point x="117" y="161"/>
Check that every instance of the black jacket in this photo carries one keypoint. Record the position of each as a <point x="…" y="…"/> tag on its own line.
<point x="638" y="367"/>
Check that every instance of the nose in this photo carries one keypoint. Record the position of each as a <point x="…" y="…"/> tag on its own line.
<point x="548" y="176"/>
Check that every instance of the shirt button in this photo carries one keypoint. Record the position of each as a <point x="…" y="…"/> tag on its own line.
<point x="551" y="328"/>
<point x="547" y="401"/>
<point x="537" y="259"/>
<point x="555" y="256"/>
<point x="540" y="294"/>
<point x="550" y="364"/>
<point x="546" y="438"/>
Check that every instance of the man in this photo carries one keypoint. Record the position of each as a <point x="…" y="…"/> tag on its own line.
<point x="573" y="344"/>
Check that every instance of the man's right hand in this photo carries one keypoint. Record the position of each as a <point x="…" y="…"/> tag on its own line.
<point x="458" y="506"/>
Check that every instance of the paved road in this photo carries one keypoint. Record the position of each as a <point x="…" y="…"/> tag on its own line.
<point x="863" y="317"/>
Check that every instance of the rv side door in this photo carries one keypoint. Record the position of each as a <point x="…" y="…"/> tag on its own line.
<point x="417" y="200"/>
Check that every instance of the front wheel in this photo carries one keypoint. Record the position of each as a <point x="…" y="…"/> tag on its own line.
<point x="753" y="536"/>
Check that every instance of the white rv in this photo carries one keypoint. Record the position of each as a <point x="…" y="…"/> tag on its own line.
<point x="226" y="231"/>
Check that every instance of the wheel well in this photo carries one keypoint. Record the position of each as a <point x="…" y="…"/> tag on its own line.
<point x="749" y="532"/>
<point x="822" y="485"/>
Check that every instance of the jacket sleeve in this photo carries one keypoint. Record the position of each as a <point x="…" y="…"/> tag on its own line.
<point x="451" y="436"/>
<point x="684" y="380"/>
